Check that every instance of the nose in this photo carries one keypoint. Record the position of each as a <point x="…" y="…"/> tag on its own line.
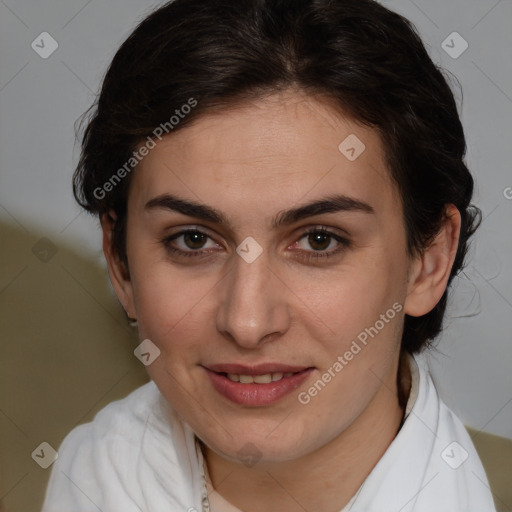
<point x="253" y="307"/>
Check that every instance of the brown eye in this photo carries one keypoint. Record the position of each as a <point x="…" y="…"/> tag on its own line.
<point x="190" y="242"/>
<point x="194" y="240"/>
<point x="319" y="241"/>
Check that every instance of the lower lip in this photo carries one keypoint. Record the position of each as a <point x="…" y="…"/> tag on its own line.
<point x="257" y="395"/>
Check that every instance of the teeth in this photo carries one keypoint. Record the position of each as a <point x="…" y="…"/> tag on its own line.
<point x="263" y="379"/>
<point x="258" y="379"/>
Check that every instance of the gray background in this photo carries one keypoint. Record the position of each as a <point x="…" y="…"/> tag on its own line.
<point x="40" y="100"/>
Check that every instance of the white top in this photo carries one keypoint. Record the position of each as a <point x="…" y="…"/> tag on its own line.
<point x="139" y="456"/>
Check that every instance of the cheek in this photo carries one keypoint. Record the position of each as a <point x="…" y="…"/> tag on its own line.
<point x="354" y="300"/>
<point x="364" y="314"/>
<point x="171" y="310"/>
<point x="166" y="297"/>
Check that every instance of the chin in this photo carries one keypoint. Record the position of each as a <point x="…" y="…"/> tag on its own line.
<point x="270" y="443"/>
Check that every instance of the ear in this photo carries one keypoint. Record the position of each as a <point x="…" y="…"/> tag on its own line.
<point x="117" y="269"/>
<point x="429" y="272"/>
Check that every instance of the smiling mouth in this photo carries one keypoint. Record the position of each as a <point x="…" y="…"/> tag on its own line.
<point x="256" y="386"/>
<point x="265" y="378"/>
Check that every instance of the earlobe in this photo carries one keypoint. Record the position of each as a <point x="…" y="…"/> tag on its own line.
<point x="430" y="271"/>
<point x="117" y="270"/>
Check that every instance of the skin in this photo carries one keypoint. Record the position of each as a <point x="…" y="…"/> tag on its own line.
<point x="252" y="162"/>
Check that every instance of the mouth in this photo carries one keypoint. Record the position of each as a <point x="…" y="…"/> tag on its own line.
<point x="256" y="386"/>
<point x="265" y="378"/>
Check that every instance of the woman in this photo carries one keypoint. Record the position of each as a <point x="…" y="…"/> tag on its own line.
<point x="284" y="202"/>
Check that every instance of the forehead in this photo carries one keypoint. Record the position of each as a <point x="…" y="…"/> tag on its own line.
<point x="276" y="150"/>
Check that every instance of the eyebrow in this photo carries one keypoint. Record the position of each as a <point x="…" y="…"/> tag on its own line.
<point x="329" y="204"/>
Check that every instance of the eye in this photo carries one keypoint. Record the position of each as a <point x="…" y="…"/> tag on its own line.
<point x="321" y="243"/>
<point x="190" y="242"/>
<point x="315" y="243"/>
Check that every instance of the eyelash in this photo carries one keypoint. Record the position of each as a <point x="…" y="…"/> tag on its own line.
<point x="309" y="256"/>
<point x="343" y="243"/>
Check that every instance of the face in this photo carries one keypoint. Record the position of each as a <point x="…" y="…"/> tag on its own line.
<point x="260" y="249"/>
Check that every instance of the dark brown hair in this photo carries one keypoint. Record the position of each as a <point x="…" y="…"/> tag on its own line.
<point x="367" y="59"/>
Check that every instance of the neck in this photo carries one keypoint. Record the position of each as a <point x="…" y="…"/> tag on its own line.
<point x="340" y="467"/>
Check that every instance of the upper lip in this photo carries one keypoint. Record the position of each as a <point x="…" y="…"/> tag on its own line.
<point x="257" y="369"/>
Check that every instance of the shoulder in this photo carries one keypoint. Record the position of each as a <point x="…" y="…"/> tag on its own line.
<point x="102" y="453"/>
<point x="120" y="422"/>
<point x="454" y="469"/>
<point x="431" y="465"/>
